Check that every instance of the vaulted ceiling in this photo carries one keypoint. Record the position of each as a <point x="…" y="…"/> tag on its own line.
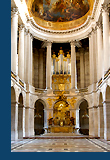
<point x="60" y="14"/>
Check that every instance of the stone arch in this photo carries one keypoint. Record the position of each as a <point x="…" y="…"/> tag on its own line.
<point x="79" y="101"/>
<point x="13" y="111"/>
<point x="20" y="116"/>
<point x="42" y="100"/>
<point x="78" y="116"/>
<point x="39" y="116"/>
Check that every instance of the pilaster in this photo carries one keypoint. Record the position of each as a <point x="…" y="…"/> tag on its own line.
<point x="21" y="53"/>
<point x="106" y="107"/>
<point x="48" y="64"/>
<point x="106" y="52"/>
<point x="14" y="29"/>
<point x="100" y="121"/>
<point x="73" y="66"/>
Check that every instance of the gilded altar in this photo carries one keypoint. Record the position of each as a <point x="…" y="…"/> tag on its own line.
<point x="61" y="120"/>
<point x="64" y="129"/>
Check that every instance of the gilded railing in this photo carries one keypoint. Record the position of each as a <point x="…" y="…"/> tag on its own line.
<point x="106" y="75"/>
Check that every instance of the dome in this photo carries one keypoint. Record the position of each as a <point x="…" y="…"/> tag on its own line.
<point x="60" y="14"/>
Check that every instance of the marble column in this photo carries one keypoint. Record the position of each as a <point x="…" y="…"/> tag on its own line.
<point x="45" y="121"/>
<point x="28" y="59"/>
<point x="27" y="121"/>
<point x="40" y="68"/>
<point x="82" y="73"/>
<point x="48" y="64"/>
<point x="73" y="67"/>
<point x="31" y="59"/>
<point x="94" y="53"/>
<point x="21" y="53"/>
<point x="100" y="51"/>
<point x="106" y="109"/>
<point x="77" y="127"/>
<point x="100" y="121"/>
<point x="25" y="53"/>
<point x="20" y="121"/>
<point x="86" y="68"/>
<point x="91" y="68"/>
<point x="31" y="128"/>
<point x="95" y="117"/>
<point x="91" y="122"/>
<point x="106" y="52"/>
<point x="14" y="120"/>
<point x="14" y="29"/>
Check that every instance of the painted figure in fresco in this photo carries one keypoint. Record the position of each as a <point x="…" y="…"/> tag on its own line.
<point x="60" y="10"/>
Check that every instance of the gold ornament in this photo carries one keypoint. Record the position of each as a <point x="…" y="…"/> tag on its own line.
<point x="49" y="101"/>
<point x="72" y="101"/>
<point x="68" y="55"/>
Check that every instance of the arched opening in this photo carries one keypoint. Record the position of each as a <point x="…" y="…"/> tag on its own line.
<point x="83" y="118"/>
<point x="108" y="93"/>
<point x="100" y="117"/>
<point x="13" y="104"/>
<point x="107" y="114"/>
<point x="20" y="117"/>
<point x="39" y="118"/>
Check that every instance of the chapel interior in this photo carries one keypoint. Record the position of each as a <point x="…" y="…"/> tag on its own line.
<point x="60" y="68"/>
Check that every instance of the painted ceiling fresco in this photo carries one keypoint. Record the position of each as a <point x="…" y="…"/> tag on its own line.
<point x="59" y="10"/>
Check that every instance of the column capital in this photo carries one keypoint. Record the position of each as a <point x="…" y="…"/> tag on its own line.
<point x="105" y="8"/>
<point x="75" y="43"/>
<point x="49" y="43"/>
<point x="14" y="11"/>
<point x="46" y="44"/>
<point x="26" y="31"/>
<point x="99" y="25"/>
<point x="31" y="35"/>
<point x="72" y="43"/>
<point x="21" y="27"/>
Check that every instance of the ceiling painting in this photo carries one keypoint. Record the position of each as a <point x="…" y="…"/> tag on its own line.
<point x="59" y="10"/>
<point x="60" y="14"/>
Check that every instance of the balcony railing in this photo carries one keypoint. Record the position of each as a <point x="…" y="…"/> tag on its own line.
<point x="38" y="90"/>
<point x="106" y="75"/>
<point x="17" y="79"/>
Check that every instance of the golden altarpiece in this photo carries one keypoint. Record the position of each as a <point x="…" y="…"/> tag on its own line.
<point x="61" y="83"/>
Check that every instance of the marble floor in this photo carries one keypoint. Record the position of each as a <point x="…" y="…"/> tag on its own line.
<point x="60" y="145"/>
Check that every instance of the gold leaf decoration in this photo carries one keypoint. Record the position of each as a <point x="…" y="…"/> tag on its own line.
<point x="72" y="101"/>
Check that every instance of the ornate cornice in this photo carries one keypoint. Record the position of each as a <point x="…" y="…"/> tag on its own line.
<point x="60" y="32"/>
